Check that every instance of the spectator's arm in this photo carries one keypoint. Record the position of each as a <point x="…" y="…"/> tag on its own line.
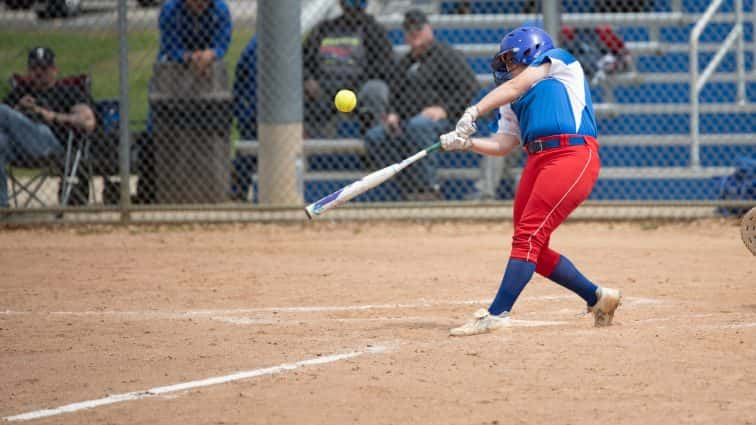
<point x="171" y="47"/>
<point x="311" y="69"/>
<point x="245" y="85"/>
<point x="240" y="90"/>
<point x="397" y="85"/>
<point x="81" y="117"/>
<point x="380" y="53"/>
<point x="462" y="85"/>
<point x="222" y="37"/>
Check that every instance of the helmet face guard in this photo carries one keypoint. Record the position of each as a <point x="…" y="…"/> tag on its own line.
<point x="524" y="44"/>
<point x="501" y="72"/>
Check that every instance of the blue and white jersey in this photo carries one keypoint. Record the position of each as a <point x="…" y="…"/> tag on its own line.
<point x="558" y="104"/>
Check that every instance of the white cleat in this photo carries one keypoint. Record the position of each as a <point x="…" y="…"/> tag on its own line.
<point x="483" y="322"/>
<point x="603" y="311"/>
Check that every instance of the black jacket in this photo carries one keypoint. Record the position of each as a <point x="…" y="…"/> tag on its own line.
<point x="440" y="76"/>
<point x="58" y="98"/>
<point x="346" y="51"/>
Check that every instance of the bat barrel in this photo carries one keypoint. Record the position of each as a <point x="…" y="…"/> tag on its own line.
<point x="364" y="184"/>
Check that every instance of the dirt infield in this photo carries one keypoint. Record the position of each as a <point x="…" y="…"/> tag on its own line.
<point x="336" y="324"/>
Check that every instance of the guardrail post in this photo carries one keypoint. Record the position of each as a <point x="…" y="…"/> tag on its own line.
<point x="279" y="100"/>
<point x="124" y="143"/>
<point x="697" y="83"/>
<point x="552" y="19"/>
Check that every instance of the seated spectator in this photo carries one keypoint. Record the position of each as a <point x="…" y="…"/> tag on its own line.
<point x="192" y="32"/>
<point x="351" y="51"/>
<point x="433" y="85"/>
<point x="35" y="117"/>
<point x="245" y="111"/>
<point x="601" y="51"/>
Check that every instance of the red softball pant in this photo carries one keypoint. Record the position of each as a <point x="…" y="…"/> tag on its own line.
<point x="553" y="183"/>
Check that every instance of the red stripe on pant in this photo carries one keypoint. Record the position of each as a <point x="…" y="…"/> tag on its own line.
<point x="553" y="183"/>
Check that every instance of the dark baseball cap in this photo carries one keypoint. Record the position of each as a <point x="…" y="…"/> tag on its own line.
<point x="414" y="20"/>
<point x="41" y="57"/>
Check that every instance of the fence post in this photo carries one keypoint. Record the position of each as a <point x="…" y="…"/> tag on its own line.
<point x="552" y="19"/>
<point x="279" y="100"/>
<point x="123" y="101"/>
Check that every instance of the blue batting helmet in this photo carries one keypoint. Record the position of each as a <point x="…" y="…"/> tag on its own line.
<point x="525" y="44"/>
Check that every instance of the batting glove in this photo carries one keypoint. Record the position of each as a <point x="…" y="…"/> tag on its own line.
<point x="466" y="125"/>
<point x="452" y="141"/>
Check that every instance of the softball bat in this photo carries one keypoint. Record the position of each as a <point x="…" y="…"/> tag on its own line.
<point x="364" y="184"/>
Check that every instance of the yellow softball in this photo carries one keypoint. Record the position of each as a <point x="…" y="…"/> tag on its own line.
<point x="345" y="100"/>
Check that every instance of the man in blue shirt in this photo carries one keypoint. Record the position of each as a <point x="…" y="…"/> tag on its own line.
<point x="192" y="32"/>
<point x="195" y="32"/>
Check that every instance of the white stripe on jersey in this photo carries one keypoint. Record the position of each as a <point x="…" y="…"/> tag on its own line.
<point x="572" y="77"/>
<point x="508" y="123"/>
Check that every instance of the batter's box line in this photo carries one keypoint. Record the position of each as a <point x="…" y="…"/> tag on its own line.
<point x="186" y="386"/>
<point x="158" y="314"/>
<point x="406" y="319"/>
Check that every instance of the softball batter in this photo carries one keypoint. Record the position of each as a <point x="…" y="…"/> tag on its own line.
<point x="544" y="105"/>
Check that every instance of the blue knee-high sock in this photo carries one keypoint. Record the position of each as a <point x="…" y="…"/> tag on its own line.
<point x="567" y="275"/>
<point x="516" y="276"/>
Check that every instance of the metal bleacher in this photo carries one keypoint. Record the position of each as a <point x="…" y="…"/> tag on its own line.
<point x="643" y="115"/>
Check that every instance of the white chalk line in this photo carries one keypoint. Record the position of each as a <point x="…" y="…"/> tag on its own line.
<point x="215" y="312"/>
<point x="184" y="386"/>
<point x="162" y="314"/>
<point x="731" y="326"/>
<point x="408" y="319"/>
<point x="535" y="323"/>
<point x="255" y="321"/>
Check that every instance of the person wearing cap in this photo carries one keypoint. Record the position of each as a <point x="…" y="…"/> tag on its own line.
<point x="194" y="32"/>
<point x="432" y="86"/>
<point x="351" y="51"/>
<point x="35" y="117"/>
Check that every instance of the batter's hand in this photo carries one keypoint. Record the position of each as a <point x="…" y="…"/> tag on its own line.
<point x="466" y="125"/>
<point x="452" y="141"/>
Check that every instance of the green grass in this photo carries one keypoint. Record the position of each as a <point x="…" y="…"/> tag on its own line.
<point x="96" y="53"/>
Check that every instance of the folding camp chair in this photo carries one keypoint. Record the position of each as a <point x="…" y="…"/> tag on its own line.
<point x="74" y="169"/>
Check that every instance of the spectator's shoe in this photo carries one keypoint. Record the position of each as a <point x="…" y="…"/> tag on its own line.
<point x="479" y="196"/>
<point x="603" y="311"/>
<point x="483" y="322"/>
<point x="429" y="195"/>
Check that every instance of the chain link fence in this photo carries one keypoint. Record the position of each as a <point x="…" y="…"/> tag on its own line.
<point x="231" y="111"/>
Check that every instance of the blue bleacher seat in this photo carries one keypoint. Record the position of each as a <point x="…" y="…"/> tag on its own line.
<point x="676" y="123"/>
<point x="678" y="93"/>
<point x="678" y="62"/>
<point x="655" y="189"/>
<point x="713" y="33"/>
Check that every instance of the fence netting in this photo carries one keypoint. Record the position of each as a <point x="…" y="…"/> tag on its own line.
<point x="207" y="134"/>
